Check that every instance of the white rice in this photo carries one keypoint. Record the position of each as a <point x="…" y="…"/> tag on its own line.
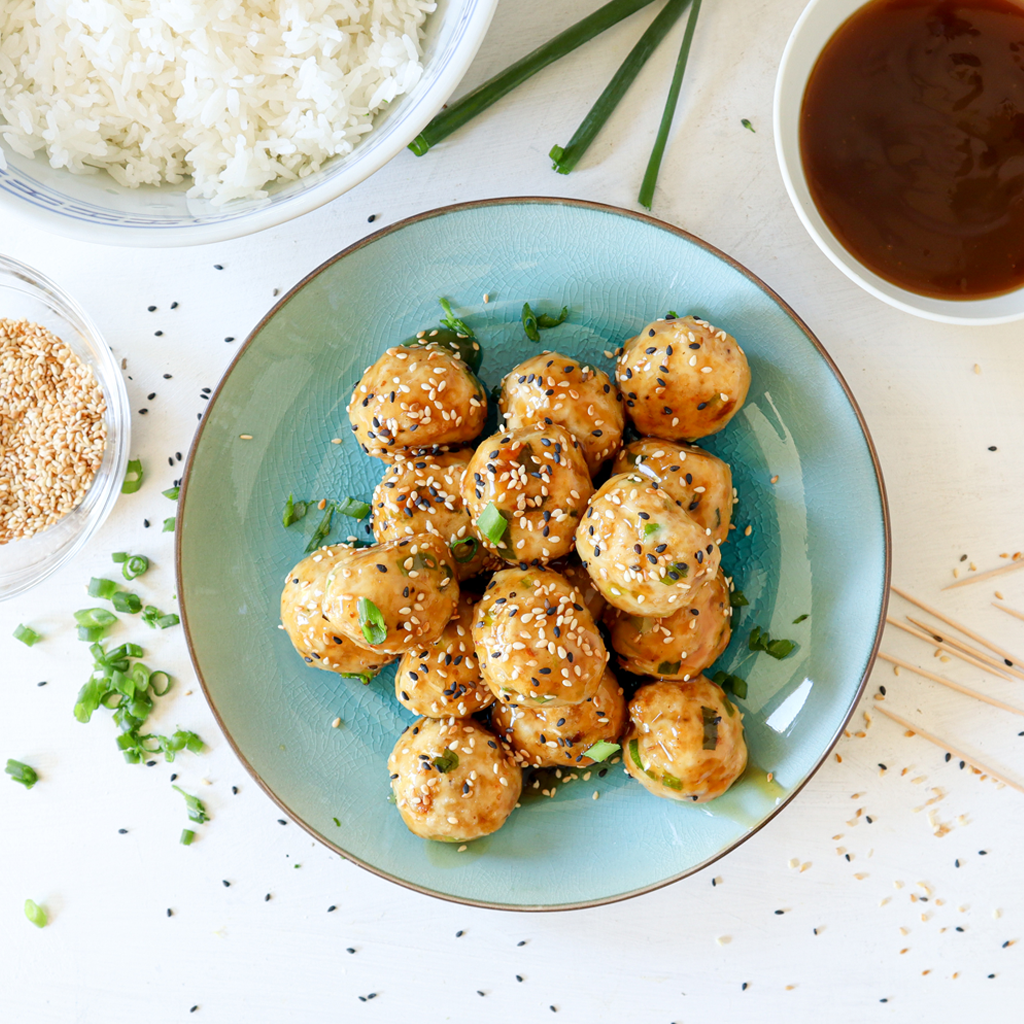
<point x="234" y="93"/>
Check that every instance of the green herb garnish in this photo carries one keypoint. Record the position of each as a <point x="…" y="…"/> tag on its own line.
<point x="447" y="761"/>
<point x="26" y="635"/>
<point x="132" y="477"/>
<point x="371" y="621"/>
<point x="800" y="618"/>
<point x="737" y="599"/>
<point x="601" y="750"/>
<point x="676" y="572"/>
<point x="450" y="320"/>
<point x="35" y="913"/>
<point x="293" y="511"/>
<point x="711" y="720"/>
<point x="187" y="835"/>
<point x="464" y="557"/>
<point x="21" y="772"/>
<point x="168" y="525"/>
<point x="671" y="781"/>
<point x="530" y="325"/>
<point x="100" y="587"/>
<point x="761" y="641"/>
<point x="735" y="684"/>
<point x="323" y="528"/>
<point x="746" y="124"/>
<point x="352" y="507"/>
<point x="196" y="809"/>
<point x="634" y="752"/>
<point x="172" y="493"/>
<point x="95" y="617"/>
<point x="669" y="668"/>
<point x="126" y="601"/>
<point x="492" y="524"/>
<point x="134" y="565"/>
<point x="650" y="528"/>
<point x="119" y="557"/>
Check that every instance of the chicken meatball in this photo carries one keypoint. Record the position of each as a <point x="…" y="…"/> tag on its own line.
<point x="536" y="641"/>
<point x="684" y="740"/>
<point x="549" y="737"/>
<point x="311" y="632"/>
<point x="682" y="378"/>
<point x="679" y="645"/>
<point x="452" y="780"/>
<point x="642" y="549"/>
<point x="465" y="346"/>
<point x="537" y="480"/>
<point x="424" y="495"/>
<point x="443" y="679"/>
<point x="552" y="388"/>
<point x="394" y="597"/>
<point x="416" y="398"/>
<point x="700" y="480"/>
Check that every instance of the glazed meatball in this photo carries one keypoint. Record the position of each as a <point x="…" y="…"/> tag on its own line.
<point x="537" y="479"/>
<point x="679" y="645"/>
<point x="641" y="548"/>
<point x="682" y="379"/>
<point x="549" y="737"/>
<point x="684" y="740"/>
<point x="393" y="597"/>
<point x="416" y="398"/>
<point x="311" y="632"/>
<point x="465" y="346"/>
<point x="552" y="388"/>
<point x="700" y="480"/>
<point x="443" y="679"/>
<point x="452" y="780"/>
<point x="536" y="641"/>
<point x="424" y="495"/>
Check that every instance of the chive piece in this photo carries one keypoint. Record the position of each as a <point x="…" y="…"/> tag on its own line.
<point x="634" y="752"/>
<point x="530" y="323"/>
<point x="196" y="809"/>
<point x="95" y="617"/>
<point x="375" y="629"/>
<point x="134" y="565"/>
<point x="671" y="781"/>
<point x="447" y="761"/>
<point x="21" y="772"/>
<point x="363" y="677"/>
<point x="565" y="158"/>
<point x="455" y="115"/>
<point x="336" y="822"/>
<point x="119" y="556"/>
<point x="35" y="913"/>
<point x="168" y="525"/>
<point x="352" y="507"/>
<point x="546" y="322"/>
<point x="669" y="668"/>
<point x="27" y="635"/>
<point x="103" y="588"/>
<point x="646" y="197"/>
<point x="172" y="493"/>
<point x="492" y="524"/>
<point x="167" y="686"/>
<point x="320" y="533"/>
<point x="710" y="716"/>
<point x="650" y="528"/>
<point x="132" y="477"/>
<point x="736" y="684"/>
<point x="450" y="320"/>
<point x="293" y="511"/>
<point x="746" y="124"/>
<point x="91" y="633"/>
<point x="737" y="599"/>
<point x="126" y="601"/>
<point x="800" y="618"/>
<point x="759" y="640"/>
<point x="187" y="835"/>
<point x="465" y="557"/>
<point x="601" y="750"/>
<point x="164" y="621"/>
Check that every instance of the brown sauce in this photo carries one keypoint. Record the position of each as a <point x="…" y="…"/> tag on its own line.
<point x="912" y="141"/>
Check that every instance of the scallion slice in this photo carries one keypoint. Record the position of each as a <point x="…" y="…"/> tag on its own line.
<point x="152" y="682"/>
<point x="320" y="533"/>
<point x="450" y="320"/>
<point x="27" y="635"/>
<point x="100" y="587"/>
<point x="465" y="556"/>
<point x="35" y="913"/>
<point x="352" y="507"/>
<point x="132" y="477"/>
<point x="492" y="524"/>
<point x="196" y="809"/>
<point x="21" y="772"/>
<point x="293" y="511"/>
<point x="168" y="525"/>
<point x="371" y="621"/>
<point x="134" y="565"/>
<point x="126" y="601"/>
<point x="95" y="617"/>
<point x="710" y="716"/>
<point x="447" y="761"/>
<point x="172" y="493"/>
<point x="187" y="835"/>
<point x="119" y="556"/>
<point x="91" y="633"/>
<point x="167" y="620"/>
<point x="601" y="750"/>
<point x="530" y="323"/>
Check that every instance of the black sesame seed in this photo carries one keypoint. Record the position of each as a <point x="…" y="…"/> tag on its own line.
<point x="234" y="790"/>
<point x="459" y="934"/>
<point x="992" y="448"/>
<point x="225" y="883"/>
<point x="266" y="899"/>
<point x="122" y="831"/>
<point x="350" y="949"/>
<point x="218" y="266"/>
<point x="331" y="909"/>
<point x="170" y="913"/>
<point x="152" y="309"/>
<point x="158" y="334"/>
<point x="371" y="218"/>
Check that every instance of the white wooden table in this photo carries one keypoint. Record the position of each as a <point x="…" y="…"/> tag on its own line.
<point x="880" y="918"/>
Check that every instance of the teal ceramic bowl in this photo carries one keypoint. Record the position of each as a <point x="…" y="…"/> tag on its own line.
<point x="818" y="543"/>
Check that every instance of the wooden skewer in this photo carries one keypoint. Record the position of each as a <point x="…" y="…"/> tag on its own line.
<point x="967" y="649"/>
<point x="956" y="625"/>
<point x="949" y="682"/>
<point x="942" y="646"/>
<point x="942" y="745"/>
<point x="974" y="577"/>
<point x="1008" y="610"/>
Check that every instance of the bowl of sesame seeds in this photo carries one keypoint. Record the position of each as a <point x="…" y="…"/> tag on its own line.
<point x="64" y="428"/>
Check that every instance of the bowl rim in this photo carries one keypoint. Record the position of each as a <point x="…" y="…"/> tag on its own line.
<point x="111" y="381"/>
<point x="735" y="265"/>
<point x="785" y="126"/>
<point x="476" y="24"/>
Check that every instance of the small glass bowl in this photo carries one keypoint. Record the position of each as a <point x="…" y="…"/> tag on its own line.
<point x="25" y="294"/>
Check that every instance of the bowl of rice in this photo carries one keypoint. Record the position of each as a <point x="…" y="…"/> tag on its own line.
<point x="65" y="428"/>
<point x="179" y="122"/>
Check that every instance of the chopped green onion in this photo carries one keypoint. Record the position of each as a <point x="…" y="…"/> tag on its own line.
<point x="363" y="677"/>
<point x="196" y="809"/>
<point x="450" y="320"/>
<point x="293" y="511"/>
<point x="100" y="587"/>
<point x="634" y="753"/>
<point x="455" y="115"/>
<point x="35" y="913"/>
<point x="671" y="781"/>
<point x="95" y="617"/>
<point x="164" y="621"/>
<point x="134" y="565"/>
<point x="133" y="477"/>
<point x="747" y="124"/>
<point x="736" y="684"/>
<point x="27" y="635"/>
<point x="119" y="556"/>
<point x="800" y="618"/>
<point x="546" y="322"/>
<point x="336" y="822"/>
<point x="760" y="641"/>
<point x="172" y="493"/>
<point x="91" y="633"/>
<point x="601" y="750"/>
<point x="167" y="686"/>
<point x="492" y="524"/>
<point x="447" y="761"/>
<point x="646" y="197"/>
<point x="352" y="507"/>
<point x="670" y="668"/>
<point x="168" y="525"/>
<point x="320" y="534"/>
<point x="710" y="716"/>
<point x="465" y="557"/>
<point x="530" y="323"/>
<point x="187" y="835"/>
<point x="565" y="159"/>
<point x="371" y="621"/>
<point x="650" y="528"/>
<point x="126" y="601"/>
<point x="21" y="772"/>
<point x="737" y="599"/>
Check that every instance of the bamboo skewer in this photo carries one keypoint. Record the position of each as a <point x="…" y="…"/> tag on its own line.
<point x="949" y="682"/>
<point x="1008" y="610"/>
<point x="967" y="649"/>
<point x="987" y="575"/>
<point x="956" y="625"/>
<point x="942" y="646"/>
